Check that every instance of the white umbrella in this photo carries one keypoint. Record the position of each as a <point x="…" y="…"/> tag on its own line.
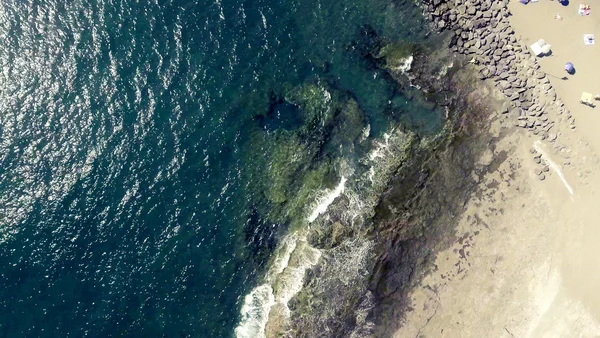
<point x="546" y="49"/>
<point x="541" y="42"/>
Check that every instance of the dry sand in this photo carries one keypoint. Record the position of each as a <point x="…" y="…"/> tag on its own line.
<point x="536" y="21"/>
<point x="528" y="262"/>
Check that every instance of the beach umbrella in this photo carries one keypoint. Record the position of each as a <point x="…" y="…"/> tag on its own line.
<point x="541" y="42"/>
<point x="546" y="49"/>
<point x="569" y="67"/>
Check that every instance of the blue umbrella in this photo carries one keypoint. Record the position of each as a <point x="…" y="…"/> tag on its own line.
<point x="569" y="67"/>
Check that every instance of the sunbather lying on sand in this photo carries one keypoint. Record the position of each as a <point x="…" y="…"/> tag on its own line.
<point x="584" y="9"/>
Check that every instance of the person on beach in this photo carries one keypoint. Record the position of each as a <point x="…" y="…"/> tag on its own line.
<point x="584" y="9"/>
<point x="569" y="68"/>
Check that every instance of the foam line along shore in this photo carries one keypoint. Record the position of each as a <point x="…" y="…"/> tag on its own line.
<point x="369" y="240"/>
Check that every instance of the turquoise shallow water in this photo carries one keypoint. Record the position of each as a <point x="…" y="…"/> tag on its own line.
<point x="132" y="138"/>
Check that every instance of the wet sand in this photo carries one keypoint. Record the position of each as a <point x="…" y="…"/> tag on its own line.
<point x="528" y="260"/>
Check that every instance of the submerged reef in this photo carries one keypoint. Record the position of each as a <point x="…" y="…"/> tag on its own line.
<point x="397" y="56"/>
<point x="380" y="239"/>
<point x="301" y="159"/>
<point x="389" y="200"/>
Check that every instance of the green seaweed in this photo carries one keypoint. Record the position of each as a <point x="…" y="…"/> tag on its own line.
<point x="286" y="159"/>
<point x="301" y="162"/>
<point x="316" y="103"/>
<point x="349" y="123"/>
<point x="395" y="53"/>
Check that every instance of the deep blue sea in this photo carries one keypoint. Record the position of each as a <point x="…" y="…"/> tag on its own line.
<point x="138" y="141"/>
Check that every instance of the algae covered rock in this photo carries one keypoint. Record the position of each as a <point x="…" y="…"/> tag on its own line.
<point x="287" y="158"/>
<point x="297" y="163"/>
<point x="397" y="56"/>
<point x="315" y="102"/>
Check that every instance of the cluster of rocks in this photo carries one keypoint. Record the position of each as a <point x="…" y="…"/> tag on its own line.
<point x="542" y="168"/>
<point x="482" y="32"/>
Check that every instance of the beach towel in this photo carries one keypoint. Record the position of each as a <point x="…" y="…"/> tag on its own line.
<point x="586" y="97"/>
<point x="588" y="39"/>
<point x="537" y="49"/>
<point x="584" y="10"/>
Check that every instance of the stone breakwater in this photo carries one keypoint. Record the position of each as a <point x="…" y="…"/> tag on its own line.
<point x="481" y="31"/>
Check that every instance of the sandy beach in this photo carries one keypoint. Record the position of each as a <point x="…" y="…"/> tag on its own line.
<point x="528" y="261"/>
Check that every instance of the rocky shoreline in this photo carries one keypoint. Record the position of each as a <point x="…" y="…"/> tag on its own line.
<point x="417" y="215"/>
<point x="413" y="219"/>
<point x="481" y="31"/>
<point x="520" y="95"/>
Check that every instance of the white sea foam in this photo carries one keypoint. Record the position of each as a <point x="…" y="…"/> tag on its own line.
<point x="444" y="71"/>
<point x="356" y="206"/>
<point x="282" y="258"/>
<point x="291" y="279"/>
<point x="405" y="65"/>
<point x="380" y="147"/>
<point x="255" y="312"/>
<point x="294" y="256"/>
<point x="288" y="280"/>
<point x="324" y="201"/>
<point x="258" y="303"/>
<point x="365" y="133"/>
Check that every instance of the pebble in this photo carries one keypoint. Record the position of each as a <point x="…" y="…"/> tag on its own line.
<point x="482" y="28"/>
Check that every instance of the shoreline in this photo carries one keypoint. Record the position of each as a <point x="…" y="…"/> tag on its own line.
<point x="475" y="232"/>
<point x="413" y="219"/>
<point x="525" y="261"/>
<point x="340" y="293"/>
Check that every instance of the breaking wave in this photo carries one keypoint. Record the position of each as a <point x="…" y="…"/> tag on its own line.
<point x="267" y="304"/>
<point x="283" y="282"/>
<point x="326" y="200"/>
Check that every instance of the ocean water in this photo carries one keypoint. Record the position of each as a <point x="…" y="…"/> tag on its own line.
<point x="153" y="154"/>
